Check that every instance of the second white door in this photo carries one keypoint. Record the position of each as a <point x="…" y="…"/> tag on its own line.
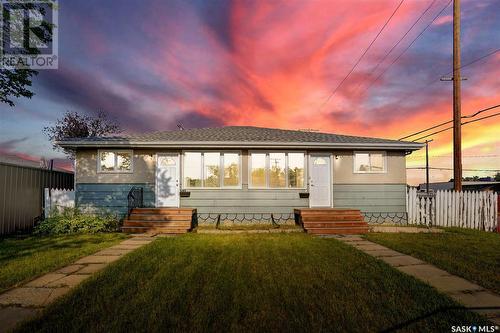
<point x="167" y="180"/>
<point x="320" y="180"/>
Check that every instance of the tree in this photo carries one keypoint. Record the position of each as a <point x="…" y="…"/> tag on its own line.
<point x="15" y="82"/>
<point x="497" y="177"/>
<point x="74" y="125"/>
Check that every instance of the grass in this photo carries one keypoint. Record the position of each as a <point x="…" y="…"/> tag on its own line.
<point x="22" y="259"/>
<point x="265" y="282"/>
<point x="471" y="254"/>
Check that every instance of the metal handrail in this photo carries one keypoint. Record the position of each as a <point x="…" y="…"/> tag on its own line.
<point x="135" y="198"/>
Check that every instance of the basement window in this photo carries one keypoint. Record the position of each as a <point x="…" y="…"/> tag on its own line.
<point x="115" y="161"/>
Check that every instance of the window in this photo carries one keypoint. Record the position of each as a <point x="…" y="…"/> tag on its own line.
<point x="258" y="170"/>
<point x="369" y="162"/>
<point x="296" y="174"/>
<point x="211" y="169"/>
<point x="115" y="161"/>
<point x="231" y="169"/>
<point x="211" y="174"/>
<point x="192" y="170"/>
<point x="277" y="170"/>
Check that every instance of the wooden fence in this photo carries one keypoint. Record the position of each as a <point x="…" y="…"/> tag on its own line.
<point x="468" y="209"/>
<point x="21" y="194"/>
<point x="57" y="199"/>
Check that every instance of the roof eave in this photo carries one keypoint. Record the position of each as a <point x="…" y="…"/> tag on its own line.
<point x="261" y="145"/>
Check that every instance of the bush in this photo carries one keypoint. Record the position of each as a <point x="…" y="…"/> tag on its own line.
<point x="71" y="220"/>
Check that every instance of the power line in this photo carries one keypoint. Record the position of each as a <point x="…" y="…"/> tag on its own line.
<point x="362" y="55"/>
<point x="436" y="168"/>
<point x="434" y="81"/>
<point x="464" y="123"/>
<point x="474" y="61"/>
<point x="450" y="121"/>
<point x="400" y="40"/>
<point x="406" y="49"/>
<point x="447" y="156"/>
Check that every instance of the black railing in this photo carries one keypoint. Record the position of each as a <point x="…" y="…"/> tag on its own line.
<point x="135" y="198"/>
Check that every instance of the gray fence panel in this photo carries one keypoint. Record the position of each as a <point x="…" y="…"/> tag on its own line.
<point x="21" y="194"/>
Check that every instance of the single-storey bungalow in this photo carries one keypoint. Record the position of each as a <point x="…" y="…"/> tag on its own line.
<point x="242" y="169"/>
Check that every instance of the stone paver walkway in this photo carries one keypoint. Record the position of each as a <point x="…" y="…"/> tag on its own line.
<point x="461" y="290"/>
<point x="25" y="302"/>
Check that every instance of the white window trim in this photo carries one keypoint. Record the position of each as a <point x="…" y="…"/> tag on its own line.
<point x="221" y="167"/>
<point x="369" y="152"/>
<point x="267" y="187"/>
<point x="129" y="151"/>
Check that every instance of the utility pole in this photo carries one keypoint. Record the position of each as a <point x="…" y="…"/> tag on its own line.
<point x="427" y="166"/>
<point x="457" y="112"/>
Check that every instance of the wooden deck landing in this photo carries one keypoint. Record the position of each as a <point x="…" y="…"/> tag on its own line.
<point x="329" y="221"/>
<point x="160" y="220"/>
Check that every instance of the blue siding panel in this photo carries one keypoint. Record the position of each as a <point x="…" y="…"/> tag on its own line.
<point x="110" y="198"/>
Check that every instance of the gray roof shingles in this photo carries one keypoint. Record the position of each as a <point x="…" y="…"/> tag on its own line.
<point x="239" y="134"/>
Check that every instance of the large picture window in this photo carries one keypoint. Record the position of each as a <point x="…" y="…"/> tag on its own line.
<point x="369" y="162"/>
<point x="212" y="170"/>
<point x="115" y="161"/>
<point x="277" y="170"/>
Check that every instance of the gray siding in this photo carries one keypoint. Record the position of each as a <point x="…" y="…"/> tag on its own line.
<point x="244" y="201"/>
<point x="387" y="198"/>
<point x="110" y="198"/>
<point x="21" y="195"/>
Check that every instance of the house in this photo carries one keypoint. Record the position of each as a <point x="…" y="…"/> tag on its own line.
<point x="242" y="169"/>
<point x="466" y="186"/>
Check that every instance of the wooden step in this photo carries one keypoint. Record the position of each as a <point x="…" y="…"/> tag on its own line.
<point x="138" y="230"/>
<point x="327" y="225"/>
<point x="160" y="220"/>
<point x="135" y="230"/>
<point x="163" y="211"/>
<point x="151" y="224"/>
<point x="341" y="231"/>
<point x="328" y="221"/>
<point x="333" y="218"/>
<point x="160" y="217"/>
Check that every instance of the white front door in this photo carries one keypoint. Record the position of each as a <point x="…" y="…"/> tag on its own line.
<point x="167" y="180"/>
<point x="320" y="180"/>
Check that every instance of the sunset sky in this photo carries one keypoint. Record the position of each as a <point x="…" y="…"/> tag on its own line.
<point x="153" y="64"/>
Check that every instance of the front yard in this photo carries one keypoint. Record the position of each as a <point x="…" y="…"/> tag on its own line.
<point x="253" y="282"/>
<point x="22" y="259"/>
<point x="471" y="254"/>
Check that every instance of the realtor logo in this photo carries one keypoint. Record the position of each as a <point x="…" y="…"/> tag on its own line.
<point x="29" y="35"/>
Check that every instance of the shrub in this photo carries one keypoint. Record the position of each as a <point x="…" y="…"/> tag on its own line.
<point x="71" y="220"/>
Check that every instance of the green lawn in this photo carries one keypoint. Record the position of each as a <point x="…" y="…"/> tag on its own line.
<point x="251" y="282"/>
<point x="472" y="254"/>
<point x="22" y="259"/>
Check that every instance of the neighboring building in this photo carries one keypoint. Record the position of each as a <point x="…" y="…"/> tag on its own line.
<point x="242" y="170"/>
<point x="466" y="186"/>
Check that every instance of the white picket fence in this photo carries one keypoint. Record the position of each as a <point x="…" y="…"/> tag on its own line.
<point x="468" y="209"/>
<point x="58" y="199"/>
